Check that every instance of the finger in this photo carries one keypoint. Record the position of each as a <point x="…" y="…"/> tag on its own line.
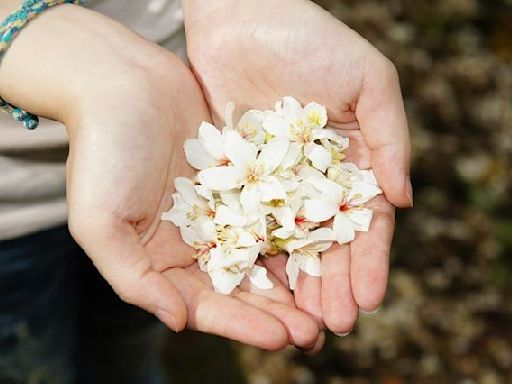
<point x="116" y="251"/>
<point x="339" y="308"/>
<point x="227" y="316"/>
<point x="370" y="256"/>
<point x="381" y="115"/>
<point x="302" y="329"/>
<point x="308" y="295"/>
<point x="320" y="342"/>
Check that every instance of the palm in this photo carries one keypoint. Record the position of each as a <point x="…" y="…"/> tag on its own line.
<point x="115" y="214"/>
<point x="295" y="48"/>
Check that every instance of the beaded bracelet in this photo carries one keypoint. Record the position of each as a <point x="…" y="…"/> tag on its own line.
<point x="9" y="29"/>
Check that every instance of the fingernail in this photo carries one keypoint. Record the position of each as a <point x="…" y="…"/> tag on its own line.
<point x="369" y="312"/>
<point x="342" y="334"/>
<point x="408" y="190"/>
<point x="166" y="318"/>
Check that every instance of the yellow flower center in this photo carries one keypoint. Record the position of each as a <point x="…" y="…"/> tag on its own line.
<point x="315" y="118"/>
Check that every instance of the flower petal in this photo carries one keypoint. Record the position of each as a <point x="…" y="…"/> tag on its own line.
<point x="276" y="125"/>
<point x="229" y="111"/>
<point x="225" y="282"/>
<point x="321" y="234"/>
<point x="231" y="198"/>
<point x="362" y="192"/>
<point x="258" y="276"/>
<point x="291" y="109"/>
<point x="197" y="156"/>
<point x="221" y="178"/>
<point x="292" y="271"/>
<point x="315" y="115"/>
<point x="320" y="209"/>
<point x="319" y="156"/>
<point x="331" y="134"/>
<point x="310" y="264"/>
<point x="292" y="156"/>
<point x="368" y="176"/>
<point x="178" y="213"/>
<point x="244" y="257"/>
<point x="224" y="215"/>
<point x="285" y="217"/>
<point x="206" y="193"/>
<point x="307" y="171"/>
<point x="245" y="239"/>
<point x="185" y="188"/>
<point x="329" y="188"/>
<point x="273" y="154"/>
<point x="250" y="198"/>
<point x="271" y="189"/>
<point x="240" y="151"/>
<point x="283" y="233"/>
<point x="293" y="245"/>
<point x="343" y="229"/>
<point x="361" y="218"/>
<point x="205" y="228"/>
<point x="212" y="140"/>
<point x="250" y="127"/>
<point x="191" y="237"/>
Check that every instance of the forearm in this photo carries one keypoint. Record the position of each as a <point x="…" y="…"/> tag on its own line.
<point x="66" y="54"/>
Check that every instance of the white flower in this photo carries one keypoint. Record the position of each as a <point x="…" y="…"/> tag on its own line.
<point x="290" y="216"/>
<point x="191" y="202"/>
<point x="227" y="269"/>
<point x="344" y="204"/>
<point x="249" y="126"/>
<point x="304" y="254"/>
<point x="202" y="236"/>
<point x="265" y="185"/>
<point x="208" y="150"/>
<point x="303" y="126"/>
<point x="236" y="237"/>
<point x="250" y="170"/>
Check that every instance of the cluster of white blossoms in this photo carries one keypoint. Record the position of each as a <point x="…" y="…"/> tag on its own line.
<point x="264" y="187"/>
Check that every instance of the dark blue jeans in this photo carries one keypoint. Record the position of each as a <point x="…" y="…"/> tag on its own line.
<point x="60" y="322"/>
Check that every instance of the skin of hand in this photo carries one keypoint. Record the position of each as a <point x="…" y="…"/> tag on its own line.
<point x="128" y="106"/>
<point x="255" y="52"/>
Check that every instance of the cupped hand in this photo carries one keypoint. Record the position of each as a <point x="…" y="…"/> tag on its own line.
<point x="254" y="53"/>
<point x="126" y="148"/>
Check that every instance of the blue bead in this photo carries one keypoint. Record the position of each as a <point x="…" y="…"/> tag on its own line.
<point x="31" y="123"/>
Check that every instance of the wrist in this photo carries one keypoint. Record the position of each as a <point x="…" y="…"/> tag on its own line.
<point x="64" y="55"/>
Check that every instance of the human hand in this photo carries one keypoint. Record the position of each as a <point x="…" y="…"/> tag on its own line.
<point x="127" y="116"/>
<point x="123" y="161"/>
<point x="254" y="53"/>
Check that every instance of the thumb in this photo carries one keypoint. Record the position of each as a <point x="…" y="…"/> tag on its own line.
<point x="120" y="257"/>
<point x="381" y="115"/>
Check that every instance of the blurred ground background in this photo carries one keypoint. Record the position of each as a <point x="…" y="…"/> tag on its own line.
<point x="448" y="312"/>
